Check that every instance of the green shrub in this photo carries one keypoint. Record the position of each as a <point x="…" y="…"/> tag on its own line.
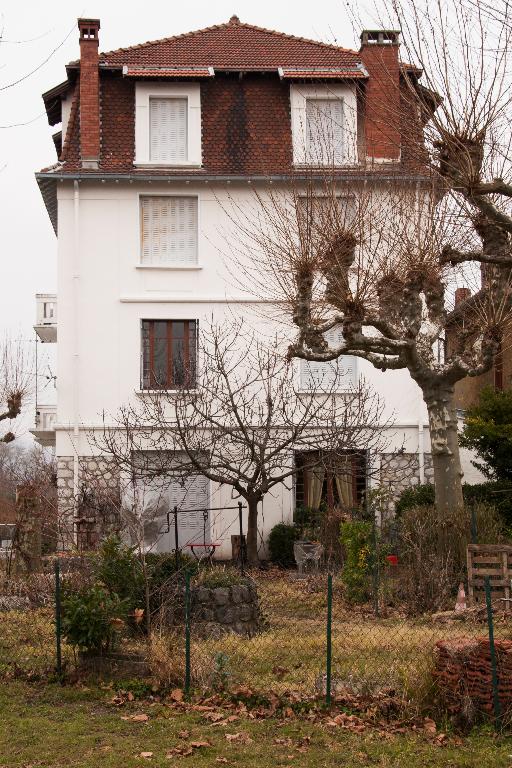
<point x="90" y="618"/>
<point x="119" y="569"/>
<point x="358" y="543"/>
<point x="488" y="431"/>
<point x="280" y="544"/>
<point x="497" y="494"/>
<point x="415" y="496"/>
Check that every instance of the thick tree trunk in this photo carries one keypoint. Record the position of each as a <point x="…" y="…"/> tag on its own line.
<point x="252" y="531"/>
<point x="445" y="447"/>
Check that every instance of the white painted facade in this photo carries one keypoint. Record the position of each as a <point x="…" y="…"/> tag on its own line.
<point x="104" y="293"/>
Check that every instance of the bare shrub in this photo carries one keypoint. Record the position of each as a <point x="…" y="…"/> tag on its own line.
<point x="433" y="552"/>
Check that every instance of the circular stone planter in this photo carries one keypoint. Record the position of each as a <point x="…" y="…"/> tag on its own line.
<point x="224" y="609"/>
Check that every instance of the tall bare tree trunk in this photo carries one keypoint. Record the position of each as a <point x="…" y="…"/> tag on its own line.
<point x="252" y="530"/>
<point x="445" y="447"/>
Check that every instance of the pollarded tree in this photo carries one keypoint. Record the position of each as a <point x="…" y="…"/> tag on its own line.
<point x="238" y="421"/>
<point x="377" y="254"/>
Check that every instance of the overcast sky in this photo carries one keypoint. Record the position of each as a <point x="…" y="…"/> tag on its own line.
<point x="43" y="36"/>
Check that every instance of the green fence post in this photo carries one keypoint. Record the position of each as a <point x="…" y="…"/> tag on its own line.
<point x="187" y="633"/>
<point x="492" y="649"/>
<point x="375" y="566"/>
<point x="329" y="642"/>
<point x="58" y="618"/>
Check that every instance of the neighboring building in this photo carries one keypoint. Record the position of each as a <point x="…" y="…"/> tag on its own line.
<point x="500" y="375"/>
<point x="154" y="140"/>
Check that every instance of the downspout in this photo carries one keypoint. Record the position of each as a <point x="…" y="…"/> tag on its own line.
<point x="76" y="359"/>
<point x="421" y="441"/>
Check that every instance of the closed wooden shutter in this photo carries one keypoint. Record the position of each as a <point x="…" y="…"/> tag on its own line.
<point x="159" y="496"/>
<point x="337" y="375"/>
<point x="168" y="131"/>
<point x="324" y="131"/>
<point x="169" y="230"/>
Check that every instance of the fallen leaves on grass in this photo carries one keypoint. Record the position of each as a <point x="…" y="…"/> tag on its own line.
<point x="142" y="718"/>
<point x="187" y="749"/>
<point x="240" y="738"/>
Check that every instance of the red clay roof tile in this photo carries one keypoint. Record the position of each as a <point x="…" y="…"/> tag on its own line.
<point x="230" y="45"/>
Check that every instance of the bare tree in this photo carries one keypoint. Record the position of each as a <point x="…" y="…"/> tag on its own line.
<point x="15" y="382"/>
<point x="379" y="254"/>
<point x="238" y="421"/>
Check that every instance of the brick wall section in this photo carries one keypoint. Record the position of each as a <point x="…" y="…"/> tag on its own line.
<point x="246" y="125"/>
<point x="413" y="151"/>
<point x="89" y="99"/>
<point x="382" y="113"/>
<point x="117" y="122"/>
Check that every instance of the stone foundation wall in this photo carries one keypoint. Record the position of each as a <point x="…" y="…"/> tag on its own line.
<point x="233" y="608"/>
<point x="401" y="471"/>
<point x="94" y="511"/>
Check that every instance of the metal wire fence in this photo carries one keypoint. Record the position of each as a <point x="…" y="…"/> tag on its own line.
<point x="271" y="636"/>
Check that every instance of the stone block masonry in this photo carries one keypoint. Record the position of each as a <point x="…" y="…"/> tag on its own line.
<point x="93" y="512"/>
<point x="234" y="609"/>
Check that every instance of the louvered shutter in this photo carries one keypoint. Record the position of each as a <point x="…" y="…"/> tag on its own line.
<point x="337" y="375"/>
<point x="324" y="131"/>
<point x="169" y="230"/>
<point x="168" y="131"/>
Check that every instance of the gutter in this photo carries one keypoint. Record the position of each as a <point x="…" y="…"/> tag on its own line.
<point x="47" y="180"/>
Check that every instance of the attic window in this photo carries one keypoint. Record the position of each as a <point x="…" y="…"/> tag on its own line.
<point x="324" y="131"/>
<point x="167" y="124"/>
<point x="168" y="131"/>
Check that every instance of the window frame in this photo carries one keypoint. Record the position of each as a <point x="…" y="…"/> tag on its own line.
<point x="144" y="92"/>
<point x="299" y="95"/>
<point x="170" y="385"/>
<point x="169" y="265"/>
<point x="339" y="389"/>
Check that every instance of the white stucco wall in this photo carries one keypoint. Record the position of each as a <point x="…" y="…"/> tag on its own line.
<point x="104" y="293"/>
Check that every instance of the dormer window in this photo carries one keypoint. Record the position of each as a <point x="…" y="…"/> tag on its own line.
<point x="167" y="124"/>
<point x="168" y="142"/>
<point x="324" y="125"/>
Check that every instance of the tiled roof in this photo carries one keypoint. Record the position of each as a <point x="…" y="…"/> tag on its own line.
<point x="322" y="73"/>
<point x="168" y="72"/>
<point x="231" y="45"/>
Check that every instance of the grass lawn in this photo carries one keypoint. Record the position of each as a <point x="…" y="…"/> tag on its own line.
<point x="50" y="726"/>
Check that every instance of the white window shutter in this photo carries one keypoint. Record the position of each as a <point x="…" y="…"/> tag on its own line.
<point x="168" y="131"/>
<point x="335" y="375"/>
<point x="169" y="230"/>
<point x="324" y="131"/>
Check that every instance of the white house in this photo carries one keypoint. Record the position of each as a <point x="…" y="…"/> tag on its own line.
<point x="156" y="142"/>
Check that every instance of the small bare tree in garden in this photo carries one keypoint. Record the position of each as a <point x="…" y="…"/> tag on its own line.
<point x="379" y="253"/>
<point x="239" y="421"/>
<point x="15" y="382"/>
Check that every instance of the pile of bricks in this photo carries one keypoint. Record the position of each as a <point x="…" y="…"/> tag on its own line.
<point x="463" y="672"/>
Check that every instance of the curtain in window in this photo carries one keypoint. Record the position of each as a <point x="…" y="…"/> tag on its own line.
<point x="314" y="481"/>
<point x="344" y="480"/>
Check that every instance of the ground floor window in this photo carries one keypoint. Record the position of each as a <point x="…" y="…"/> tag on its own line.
<point x="328" y="480"/>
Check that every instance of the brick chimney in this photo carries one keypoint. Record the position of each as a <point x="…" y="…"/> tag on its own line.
<point x="379" y="53"/>
<point x="89" y="93"/>
<point x="461" y="294"/>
